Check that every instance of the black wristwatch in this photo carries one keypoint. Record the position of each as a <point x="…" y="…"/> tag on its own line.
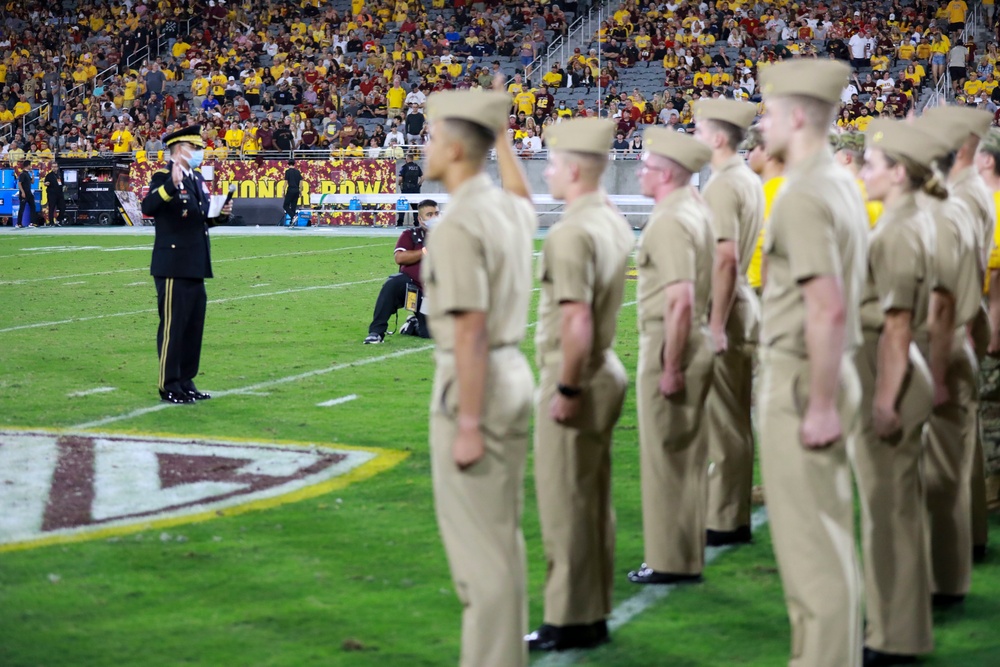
<point x="569" y="392"/>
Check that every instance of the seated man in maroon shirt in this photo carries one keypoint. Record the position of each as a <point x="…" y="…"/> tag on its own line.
<point x="408" y="254"/>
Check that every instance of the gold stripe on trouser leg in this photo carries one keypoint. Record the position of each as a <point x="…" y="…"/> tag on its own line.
<point x="673" y="452"/>
<point x="479" y="511"/>
<point x="810" y="506"/>
<point x="893" y="514"/>
<point x="168" y="315"/>
<point x="947" y="469"/>
<point x="573" y="485"/>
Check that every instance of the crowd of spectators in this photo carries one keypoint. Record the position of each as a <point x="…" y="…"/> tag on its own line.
<point x="351" y="81"/>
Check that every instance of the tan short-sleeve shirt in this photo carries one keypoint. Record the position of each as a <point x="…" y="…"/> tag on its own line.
<point x="736" y="199"/>
<point x="818" y="227"/>
<point x="900" y="265"/>
<point x="969" y="187"/>
<point x="955" y="256"/>
<point x="479" y="259"/>
<point x="583" y="260"/>
<point x="676" y="245"/>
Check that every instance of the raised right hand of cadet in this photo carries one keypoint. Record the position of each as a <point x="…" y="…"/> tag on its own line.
<point x="820" y="427"/>
<point x="176" y="174"/>
<point x="468" y="448"/>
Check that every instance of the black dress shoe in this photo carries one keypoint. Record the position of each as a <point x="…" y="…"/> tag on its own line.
<point x="721" y="538"/>
<point x="197" y="395"/>
<point x="943" y="601"/>
<point x="645" y="575"/>
<point x="978" y="553"/>
<point x="175" y="397"/>
<point x="873" y="658"/>
<point x="566" y="637"/>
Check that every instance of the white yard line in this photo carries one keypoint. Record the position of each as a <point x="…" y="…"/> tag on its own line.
<point x="642" y="601"/>
<point x="217" y="261"/>
<point x="77" y="282"/>
<point x="89" y="392"/>
<point x="249" y="389"/>
<point x="337" y="401"/>
<point x="294" y="290"/>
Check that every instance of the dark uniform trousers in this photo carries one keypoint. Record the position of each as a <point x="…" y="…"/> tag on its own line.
<point x="290" y="204"/>
<point x="573" y="479"/>
<point x="479" y="509"/>
<point x="391" y="298"/>
<point x="810" y="503"/>
<point x="181" y="304"/>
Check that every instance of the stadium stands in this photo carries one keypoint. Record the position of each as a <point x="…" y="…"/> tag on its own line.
<point x="340" y="78"/>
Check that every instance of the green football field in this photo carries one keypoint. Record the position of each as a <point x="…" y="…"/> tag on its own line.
<point x="347" y="573"/>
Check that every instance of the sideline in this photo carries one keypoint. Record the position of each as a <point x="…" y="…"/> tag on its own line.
<point x="640" y="602"/>
<point x="227" y="299"/>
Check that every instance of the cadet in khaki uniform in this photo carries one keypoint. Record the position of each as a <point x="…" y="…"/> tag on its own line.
<point x="674" y="262"/>
<point x="963" y="127"/>
<point x="582" y="386"/>
<point x="477" y="276"/>
<point x="815" y="250"/>
<point x="734" y="195"/>
<point x="951" y="438"/>
<point x="988" y="165"/>
<point x="770" y="169"/>
<point x="897" y="393"/>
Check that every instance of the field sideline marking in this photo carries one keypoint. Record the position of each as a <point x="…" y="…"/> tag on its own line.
<point x="217" y="261"/>
<point x="337" y="401"/>
<point x="293" y="290"/>
<point x="267" y="384"/>
<point x="89" y="392"/>
<point x="642" y="601"/>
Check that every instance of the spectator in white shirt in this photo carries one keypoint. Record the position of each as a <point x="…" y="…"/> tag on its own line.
<point x="532" y="143"/>
<point x="861" y="49"/>
<point x="395" y="134"/>
<point x="416" y="96"/>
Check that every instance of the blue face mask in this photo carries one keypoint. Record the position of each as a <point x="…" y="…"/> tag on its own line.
<point x="197" y="157"/>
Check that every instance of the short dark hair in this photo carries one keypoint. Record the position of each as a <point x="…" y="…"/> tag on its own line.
<point x="427" y="203"/>
<point x="291" y="161"/>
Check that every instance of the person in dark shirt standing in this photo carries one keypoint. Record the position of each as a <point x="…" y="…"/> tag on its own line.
<point x="293" y="180"/>
<point x="408" y="255"/>
<point x="26" y="213"/>
<point x="411" y="177"/>
<point x="54" y="194"/>
<point x="179" y="201"/>
<point x="283" y="137"/>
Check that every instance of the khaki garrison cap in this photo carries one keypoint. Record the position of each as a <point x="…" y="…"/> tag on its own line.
<point x="487" y="109"/>
<point x="950" y="135"/>
<point x="955" y="124"/>
<point x="754" y="139"/>
<point x="582" y="135"/>
<point x="851" y="141"/>
<point x="820" y="79"/>
<point x="901" y="139"/>
<point x="740" y="114"/>
<point x="677" y="146"/>
<point x="991" y="142"/>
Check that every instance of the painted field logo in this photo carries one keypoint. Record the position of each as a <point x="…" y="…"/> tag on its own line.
<point x="60" y="487"/>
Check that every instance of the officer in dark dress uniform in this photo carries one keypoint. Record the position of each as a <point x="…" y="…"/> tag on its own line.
<point x="178" y="201"/>
<point x="54" y="194"/>
<point x="293" y="179"/>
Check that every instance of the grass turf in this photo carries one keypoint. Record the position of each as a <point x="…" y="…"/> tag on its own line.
<point x="354" y="578"/>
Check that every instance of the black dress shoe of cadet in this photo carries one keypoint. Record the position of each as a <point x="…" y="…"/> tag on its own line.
<point x="721" y="538"/>
<point x="197" y="395"/>
<point x="945" y="601"/>
<point x="175" y="397"/>
<point x="978" y="553"/>
<point x="645" y="575"/>
<point x="566" y="637"/>
<point x="873" y="658"/>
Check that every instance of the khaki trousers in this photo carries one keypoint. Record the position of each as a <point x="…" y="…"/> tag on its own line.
<point x="810" y="505"/>
<point x="673" y="452"/>
<point x="730" y="430"/>
<point x="479" y="509"/>
<point x="893" y="515"/>
<point x="951" y="445"/>
<point x="573" y="482"/>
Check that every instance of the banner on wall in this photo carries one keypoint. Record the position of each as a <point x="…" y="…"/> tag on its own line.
<point x="260" y="186"/>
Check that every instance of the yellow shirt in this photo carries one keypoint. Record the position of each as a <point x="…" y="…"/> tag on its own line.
<point x="122" y="141"/>
<point x="21" y="108"/>
<point x="994" y="260"/>
<point x="525" y="102"/>
<point x="972" y="87"/>
<point x="199" y="87"/>
<point x="861" y="122"/>
<point x="755" y="269"/>
<point x="234" y="137"/>
<point x="219" y="82"/>
<point x="6" y="116"/>
<point x="874" y="208"/>
<point x="956" y="11"/>
<point x="394" y="98"/>
<point x="906" y="51"/>
<point x="923" y="51"/>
